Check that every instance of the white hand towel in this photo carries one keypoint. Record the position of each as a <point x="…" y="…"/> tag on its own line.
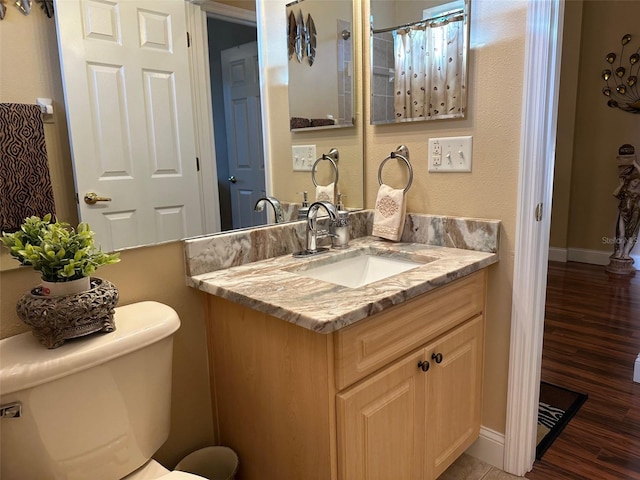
<point x="389" y="213"/>
<point x="326" y="193"/>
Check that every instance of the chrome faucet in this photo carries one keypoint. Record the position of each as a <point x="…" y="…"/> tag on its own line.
<point x="277" y="208"/>
<point x="312" y="225"/>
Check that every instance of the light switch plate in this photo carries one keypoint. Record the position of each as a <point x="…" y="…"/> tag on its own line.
<point x="304" y="156"/>
<point x="450" y="154"/>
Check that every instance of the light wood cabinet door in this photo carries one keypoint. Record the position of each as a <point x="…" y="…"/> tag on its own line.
<point x="407" y="423"/>
<point x="454" y="389"/>
<point x="381" y="424"/>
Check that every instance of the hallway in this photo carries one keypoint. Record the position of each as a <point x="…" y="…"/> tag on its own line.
<point x="591" y="341"/>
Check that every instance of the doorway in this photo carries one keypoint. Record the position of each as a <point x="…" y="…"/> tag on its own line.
<point x="233" y="152"/>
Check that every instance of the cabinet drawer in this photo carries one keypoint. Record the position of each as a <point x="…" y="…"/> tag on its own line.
<point x="362" y="348"/>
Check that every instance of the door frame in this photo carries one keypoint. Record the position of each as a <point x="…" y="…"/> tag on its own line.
<point x="197" y="13"/>
<point x="203" y="117"/>
<point x="537" y="160"/>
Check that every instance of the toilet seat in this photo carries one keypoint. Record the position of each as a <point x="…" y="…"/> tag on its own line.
<point x="176" y="475"/>
<point x="152" y="470"/>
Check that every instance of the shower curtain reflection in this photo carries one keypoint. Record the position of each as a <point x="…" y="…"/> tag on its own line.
<point x="428" y="70"/>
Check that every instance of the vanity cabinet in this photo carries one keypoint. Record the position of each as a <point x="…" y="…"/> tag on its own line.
<point x="415" y="417"/>
<point x="393" y="396"/>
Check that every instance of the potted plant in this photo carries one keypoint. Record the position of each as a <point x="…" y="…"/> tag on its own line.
<point x="64" y="256"/>
<point x="69" y="303"/>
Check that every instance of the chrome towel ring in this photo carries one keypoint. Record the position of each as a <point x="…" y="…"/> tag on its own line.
<point x="333" y="157"/>
<point x="402" y="153"/>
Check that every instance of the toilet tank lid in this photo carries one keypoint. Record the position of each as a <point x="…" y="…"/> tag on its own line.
<point x="25" y="363"/>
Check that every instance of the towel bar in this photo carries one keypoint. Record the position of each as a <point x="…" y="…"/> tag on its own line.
<point x="402" y="153"/>
<point x="332" y="156"/>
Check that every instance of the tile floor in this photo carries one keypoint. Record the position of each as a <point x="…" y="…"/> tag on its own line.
<point x="470" y="468"/>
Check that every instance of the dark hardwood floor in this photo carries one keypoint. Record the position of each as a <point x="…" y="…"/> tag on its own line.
<point x="591" y="341"/>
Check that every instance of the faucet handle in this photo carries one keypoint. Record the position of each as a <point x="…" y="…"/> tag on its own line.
<point x="325" y="234"/>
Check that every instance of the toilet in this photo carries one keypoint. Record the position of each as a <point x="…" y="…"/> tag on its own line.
<point x="96" y="408"/>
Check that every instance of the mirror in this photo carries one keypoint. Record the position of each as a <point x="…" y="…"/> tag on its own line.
<point x="320" y="53"/>
<point x="44" y="64"/>
<point x="419" y="53"/>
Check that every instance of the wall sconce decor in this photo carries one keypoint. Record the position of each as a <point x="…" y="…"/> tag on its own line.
<point x="624" y="94"/>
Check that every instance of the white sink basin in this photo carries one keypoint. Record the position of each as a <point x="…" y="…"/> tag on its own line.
<point x="361" y="270"/>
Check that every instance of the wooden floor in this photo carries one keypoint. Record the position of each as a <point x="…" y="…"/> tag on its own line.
<point x="591" y="341"/>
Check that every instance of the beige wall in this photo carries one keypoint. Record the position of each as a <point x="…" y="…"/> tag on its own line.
<point x="567" y="103"/>
<point x="490" y="190"/>
<point x="586" y="210"/>
<point x="246" y="4"/>
<point x="29" y="69"/>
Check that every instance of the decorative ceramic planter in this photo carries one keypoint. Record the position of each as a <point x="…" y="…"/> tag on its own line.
<point x="55" y="289"/>
<point x="54" y="319"/>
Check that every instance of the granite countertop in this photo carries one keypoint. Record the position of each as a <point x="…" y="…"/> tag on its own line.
<point x="277" y="286"/>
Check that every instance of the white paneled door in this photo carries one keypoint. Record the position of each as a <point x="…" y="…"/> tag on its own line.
<point x="128" y="97"/>
<point x="243" y="117"/>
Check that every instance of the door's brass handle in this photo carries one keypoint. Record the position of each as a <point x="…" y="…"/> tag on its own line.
<point x="91" y="198"/>
<point x="233" y="179"/>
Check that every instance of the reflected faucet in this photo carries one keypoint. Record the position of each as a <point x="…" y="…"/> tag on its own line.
<point x="312" y="225"/>
<point x="277" y="208"/>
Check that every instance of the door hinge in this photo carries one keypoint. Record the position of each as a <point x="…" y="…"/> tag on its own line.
<point x="188" y="40"/>
<point x="539" y="212"/>
<point x="197" y="164"/>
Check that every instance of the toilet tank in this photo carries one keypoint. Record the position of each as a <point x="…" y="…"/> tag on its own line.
<point x="97" y="407"/>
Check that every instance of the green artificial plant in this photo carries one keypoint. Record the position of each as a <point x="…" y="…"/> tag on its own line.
<point x="58" y="251"/>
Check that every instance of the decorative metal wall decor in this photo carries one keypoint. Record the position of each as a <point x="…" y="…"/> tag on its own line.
<point x="301" y="37"/>
<point x="25" y="7"/>
<point x="624" y="93"/>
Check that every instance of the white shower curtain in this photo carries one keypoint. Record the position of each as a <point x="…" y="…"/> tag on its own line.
<point x="428" y="70"/>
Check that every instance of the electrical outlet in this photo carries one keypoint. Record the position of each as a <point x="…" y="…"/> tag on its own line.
<point x="304" y="156"/>
<point x="450" y="154"/>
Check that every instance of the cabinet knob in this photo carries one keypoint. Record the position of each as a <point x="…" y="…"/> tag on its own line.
<point x="437" y="357"/>
<point x="423" y="365"/>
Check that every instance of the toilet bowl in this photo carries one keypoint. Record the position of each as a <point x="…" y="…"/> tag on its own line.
<point x="98" y="407"/>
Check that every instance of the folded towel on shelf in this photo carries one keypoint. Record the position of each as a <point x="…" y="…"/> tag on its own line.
<point x="299" y="122"/>
<point x="322" y="122"/>
<point x="25" y="184"/>
<point x="389" y="213"/>
<point x="326" y="193"/>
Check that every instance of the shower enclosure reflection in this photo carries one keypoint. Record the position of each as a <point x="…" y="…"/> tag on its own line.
<point x="419" y="60"/>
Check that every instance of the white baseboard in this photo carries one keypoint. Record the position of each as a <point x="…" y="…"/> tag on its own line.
<point x="489" y="448"/>
<point x="558" y="254"/>
<point x="583" y="255"/>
